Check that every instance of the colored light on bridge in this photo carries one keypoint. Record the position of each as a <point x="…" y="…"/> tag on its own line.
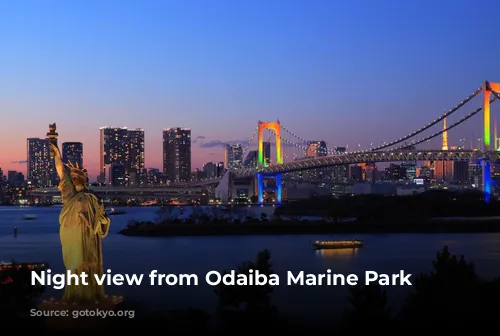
<point x="276" y="128"/>
<point x="279" y="158"/>
<point x="260" y="188"/>
<point x="278" y="188"/>
<point x="487" y="114"/>
<point x="487" y="121"/>
<point x="261" y="154"/>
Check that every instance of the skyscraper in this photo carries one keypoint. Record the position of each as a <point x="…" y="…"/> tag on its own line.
<point x="177" y="154"/>
<point x="136" y="149"/>
<point x="233" y="156"/>
<point x="266" y="148"/>
<point x="251" y="159"/>
<point x="114" y="146"/>
<point x="210" y="169"/>
<point x="41" y="172"/>
<point x="316" y="149"/>
<point x="73" y="152"/>
<point x="136" y="156"/>
<point x="122" y="147"/>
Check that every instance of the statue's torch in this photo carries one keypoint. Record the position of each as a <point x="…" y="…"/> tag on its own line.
<point x="52" y="135"/>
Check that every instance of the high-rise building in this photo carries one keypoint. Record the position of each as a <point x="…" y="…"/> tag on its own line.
<point x="316" y="149"/>
<point x="372" y="173"/>
<point x="425" y="172"/>
<point x="15" y="178"/>
<point x="177" y="154"/>
<point x="117" y="175"/>
<point x="233" y="156"/>
<point x="356" y="173"/>
<point x="41" y="172"/>
<point x="136" y="156"/>
<point x="2" y="187"/>
<point x="266" y="149"/>
<point x="340" y="173"/>
<point x="124" y="147"/>
<point x="461" y="172"/>
<point x="220" y="168"/>
<point x="443" y="171"/>
<point x="395" y="172"/>
<point x="114" y="146"/>
<point x="210" y="169"/>
<point x="475" y="175"/>
<point x="155" y="176"/>
<point x="410" y="168"/>
<point x="251" y="159"/>
<point x="73" y="152"/>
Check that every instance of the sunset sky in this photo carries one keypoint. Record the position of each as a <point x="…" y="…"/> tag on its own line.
<point x="347" y="72"/>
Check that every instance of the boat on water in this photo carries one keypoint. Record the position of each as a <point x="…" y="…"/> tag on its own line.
<point x="30" y="216"/>
<point x="114" y="211"/>
<point x="337" y="244"/>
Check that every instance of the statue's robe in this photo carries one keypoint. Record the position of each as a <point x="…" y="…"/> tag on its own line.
<point x="82" y="226"/>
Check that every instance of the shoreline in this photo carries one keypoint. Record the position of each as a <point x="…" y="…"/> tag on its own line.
<point x="146" y="229"/>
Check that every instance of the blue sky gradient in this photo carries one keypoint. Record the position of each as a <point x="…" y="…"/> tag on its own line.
<point x="347" y="72"/>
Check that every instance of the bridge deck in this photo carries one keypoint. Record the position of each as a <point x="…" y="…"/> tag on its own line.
<point x="181" y="188"/>
<point x="363" y="157"/>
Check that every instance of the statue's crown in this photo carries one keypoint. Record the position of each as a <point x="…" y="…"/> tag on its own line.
<point x="75" y="168"/>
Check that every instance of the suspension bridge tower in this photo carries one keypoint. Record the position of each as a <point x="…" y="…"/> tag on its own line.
<point x="488" y="90"/>
<point x="269" y="181"/>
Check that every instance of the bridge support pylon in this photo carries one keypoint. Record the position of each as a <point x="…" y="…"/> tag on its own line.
<point x="486" y="172"/>
<point x="487" y="127"/>
<point x="263" y="157"/>
<point x="276" y="187"/>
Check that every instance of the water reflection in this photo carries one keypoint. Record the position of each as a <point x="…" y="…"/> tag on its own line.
<point x="337" y="253"/>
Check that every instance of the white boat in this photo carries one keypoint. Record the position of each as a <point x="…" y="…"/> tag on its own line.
<point x="337" y="244"/>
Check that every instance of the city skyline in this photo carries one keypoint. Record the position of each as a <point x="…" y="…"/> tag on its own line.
<point x="21" y="166"/>
<point x="71" y="147"/>
<point x="325" y="71"/>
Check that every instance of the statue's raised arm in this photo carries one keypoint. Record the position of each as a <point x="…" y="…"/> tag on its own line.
<point x="71" y="178"/>
<point x="55" y="153"/>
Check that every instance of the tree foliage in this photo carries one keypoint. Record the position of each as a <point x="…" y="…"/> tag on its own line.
<point x="368" y="304"/>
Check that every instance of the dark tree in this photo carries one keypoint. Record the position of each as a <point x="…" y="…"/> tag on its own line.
<point x="17" y="295"/>
<point x="248" y="305"/>
<point x="451" y="295"/>
<point x="368" y="305"/>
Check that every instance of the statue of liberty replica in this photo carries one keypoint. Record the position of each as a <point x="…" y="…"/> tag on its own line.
<point x="83" y="223"/>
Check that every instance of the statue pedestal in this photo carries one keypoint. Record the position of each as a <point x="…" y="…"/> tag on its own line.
<point x="62" y="316"/>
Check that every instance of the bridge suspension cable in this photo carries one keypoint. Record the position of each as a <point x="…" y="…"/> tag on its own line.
<point x="446" y="114"/>
<point x="244" y="155"/>
<point x="415" y="142"/>
<point x="322" y="150"/>
<point x="288" y="142"/>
